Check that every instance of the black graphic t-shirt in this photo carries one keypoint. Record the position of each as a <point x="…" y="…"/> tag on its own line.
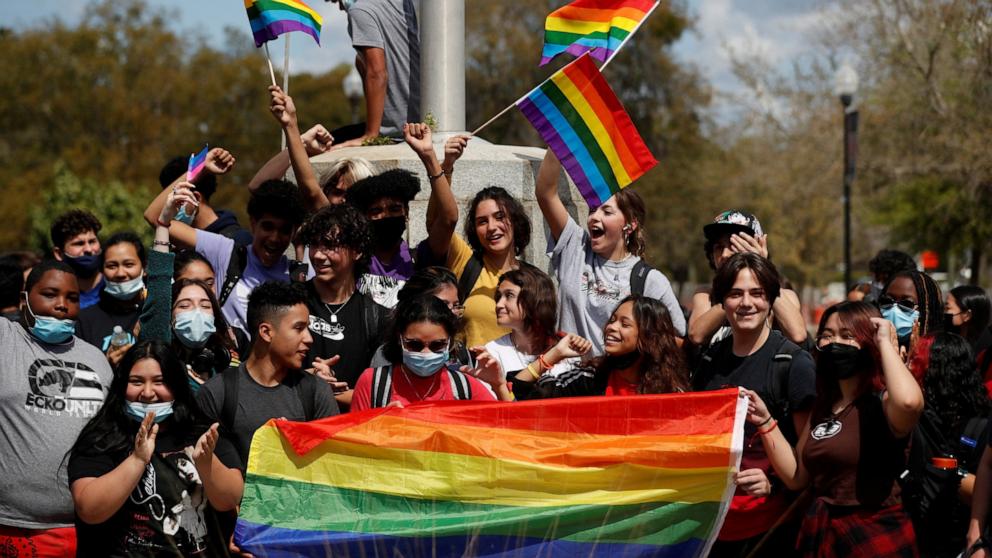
<point x="345" y="332"/>
<point x="167" y="513"/>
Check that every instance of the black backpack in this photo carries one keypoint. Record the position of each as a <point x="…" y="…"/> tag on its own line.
<point x="235" y="269"/>
<point x="382" y="383"/>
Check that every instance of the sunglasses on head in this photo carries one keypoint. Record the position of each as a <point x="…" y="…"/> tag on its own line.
<point x="417" y="346"/>
<point x="886" y="302"/>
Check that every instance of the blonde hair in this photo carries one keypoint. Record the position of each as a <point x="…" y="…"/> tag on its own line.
<point x="352" y="169"/>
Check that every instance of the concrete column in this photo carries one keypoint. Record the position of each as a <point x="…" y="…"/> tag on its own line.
<point x="442" y="63"/>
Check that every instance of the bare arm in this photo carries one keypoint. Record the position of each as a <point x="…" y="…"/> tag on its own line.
<point x="371" y="64"/>
<point x="442" y="209"/>
<point x="781" y="454"/>
<point x="788" y="312"/>
<point x="903" y="399"/>
<point x="317" y="140"/>
<point x="705" y="320"/>
<point x="223" y="485"/>
<point x="546" y="191"/>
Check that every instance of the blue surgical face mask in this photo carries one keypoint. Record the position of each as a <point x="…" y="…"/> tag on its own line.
<point x="49" y="329"/>
<point x="424" y="364"/>
<point x="84" y="266"/>
<point x="137" y="411"/>
<point x="125" y="290"/>
<point x="193" y="328"/>
<point x="185" y="218"/>
<point x="902" y="319"/>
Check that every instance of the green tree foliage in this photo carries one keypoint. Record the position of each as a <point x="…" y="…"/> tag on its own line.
<point x="122" y="93"/>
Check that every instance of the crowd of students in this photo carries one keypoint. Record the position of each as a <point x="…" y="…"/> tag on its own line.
<point x="133" y="380"/>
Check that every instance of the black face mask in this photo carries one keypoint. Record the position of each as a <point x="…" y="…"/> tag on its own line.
<point x="949" y="326"/>
<point x="840" y="362"/>
<point x="388" y="231"/>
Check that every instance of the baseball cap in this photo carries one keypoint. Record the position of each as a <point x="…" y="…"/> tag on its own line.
<point x="732" y="221"/>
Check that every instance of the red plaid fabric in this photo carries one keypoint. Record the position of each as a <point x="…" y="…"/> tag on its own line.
<point x="834" y="531"/>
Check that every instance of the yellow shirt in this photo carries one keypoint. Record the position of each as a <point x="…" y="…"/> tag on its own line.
<point x="480" y="306"/>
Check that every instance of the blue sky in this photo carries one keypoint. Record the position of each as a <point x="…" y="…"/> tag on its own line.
<point x="776" y="30"/>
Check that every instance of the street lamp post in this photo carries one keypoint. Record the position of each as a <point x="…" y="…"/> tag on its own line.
<point x="846" y="83"/>
<point x="352" y="84"/>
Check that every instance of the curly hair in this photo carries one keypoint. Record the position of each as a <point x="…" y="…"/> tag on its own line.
<point x="663" y="366"/>
<point x="887" y="263"/>
<point x="425" y="308"/>
<point x="278" y="198"/>
<point x="537" y="301"/>
<point x="952" y="386"/>
<point x="340" y="225"/>
<point x="513" y="210"/>
<point x="928" y="300"/>
<point x="393" y="183"/>
<point x="72" y="223"/>
<point x="631" y="205"/>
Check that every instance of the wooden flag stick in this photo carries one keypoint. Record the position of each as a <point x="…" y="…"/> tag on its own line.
<point x="268" y="59"/>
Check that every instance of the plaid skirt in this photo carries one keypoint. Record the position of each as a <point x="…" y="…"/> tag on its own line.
<point x="836" y="531"/>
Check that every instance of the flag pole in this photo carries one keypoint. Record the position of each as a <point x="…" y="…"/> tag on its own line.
<point x="629" y="35"/>
<point x="524" y="96"/>
<point x="285" y="79"/>
<point x="268" y="59"/>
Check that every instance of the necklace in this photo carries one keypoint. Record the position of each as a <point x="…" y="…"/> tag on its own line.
<point x="420" y="396"/>
<point x="334" y="313"/>
<point x="832" y="426"/>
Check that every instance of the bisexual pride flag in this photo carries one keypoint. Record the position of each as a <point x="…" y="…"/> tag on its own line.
<point x="196" y="164"/>
<point x="647" y="475"/>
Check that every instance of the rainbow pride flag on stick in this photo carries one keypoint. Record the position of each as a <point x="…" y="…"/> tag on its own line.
<point x="599" y="27"/>
<point x="196" y="164"/>
<point x="271" y="18"/>
<point x="646" y="475"/>
<point x="583" y="122"/>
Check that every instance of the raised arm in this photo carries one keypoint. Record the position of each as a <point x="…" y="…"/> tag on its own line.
<point x="546" y="191"/>
<point x="903" y="399"/>
<point x="788" y="313"/>
<point x="316" y="140"/>
<point x="705" y="320"/>
<point x="284" y="110"/>
<point x="442" y="209"/>
<point x="371" y="64"/>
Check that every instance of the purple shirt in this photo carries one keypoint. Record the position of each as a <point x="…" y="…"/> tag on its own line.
<point x="383" y="281"/>
<point x="217" y="250"/>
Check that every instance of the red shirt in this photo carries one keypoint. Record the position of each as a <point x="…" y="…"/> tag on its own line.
<point x="616" y="385"/>
<point x="409" y="388"/>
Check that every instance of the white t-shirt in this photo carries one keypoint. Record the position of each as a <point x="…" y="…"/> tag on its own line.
<point x="512" y="360"/>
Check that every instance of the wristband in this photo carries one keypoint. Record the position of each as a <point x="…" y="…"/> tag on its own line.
<point x="768" y="430"/>
<point x="165" y="243"/>
<point x="766" y="421"/>
<point x="544" y="363"/>
<point x="530" y="370"/>
<point x="435" y="176"/>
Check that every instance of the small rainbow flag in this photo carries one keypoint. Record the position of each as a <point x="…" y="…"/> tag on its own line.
<point x="647" y="475"/>
<point x="196" y="164"/>
<point x="583" y="122"/>
<point x="271" y="18"/>
<point x="596" y="26"/>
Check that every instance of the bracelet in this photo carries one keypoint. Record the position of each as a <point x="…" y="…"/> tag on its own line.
<point x="544" y="363"/>
<point x="435" y="176"/>
<point x="165" y="243"/>
<point x="530" y="370"/>
<point x="158" y="221"/>
<point x="767" y="420"/>
<point x="769" y="429"/>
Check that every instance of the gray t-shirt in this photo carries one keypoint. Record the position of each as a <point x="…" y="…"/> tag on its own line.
<point x="590" y="287"/>
<point x="47" y="395"/>
<point x="257" y="404"/>
<point x="392" y="26"/>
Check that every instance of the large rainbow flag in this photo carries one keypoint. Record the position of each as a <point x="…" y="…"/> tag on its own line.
<point x="271" y="18"/>
<point x="595" y="26"/>
<point x="583" y="122"/>
<point x="646" y="475"/>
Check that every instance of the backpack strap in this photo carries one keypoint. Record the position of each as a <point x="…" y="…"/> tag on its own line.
<point x="230" y="407"/>
<point x="235" y="269"/>
<point x="459" y="385"/>
<point x="971" y="444"/>
<point x="306" y="390"/>
<point x="382" y="383"/>
<point x="470" y="275"/>
<point x="778" y="374"/>
<point x="639" y="277"/>
<point x="373" y="314"/>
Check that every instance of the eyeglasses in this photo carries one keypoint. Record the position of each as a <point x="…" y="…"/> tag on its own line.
<point x="886" y="302"/>
<point x="417" y="346"/>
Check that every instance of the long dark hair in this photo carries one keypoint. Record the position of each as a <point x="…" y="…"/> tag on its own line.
<point x="221" y="337"/>
<point x="112" y="432"/>
<point x="537" y="301"/>
<point x="952" y="386"/>
<point x="928" y="300"/>
<point x="663" y="367"/>
<point x="975" y="300"/>
<point x="856" y="317"/>
<point x="425" y="308"/>
<point x="514" y="212"/>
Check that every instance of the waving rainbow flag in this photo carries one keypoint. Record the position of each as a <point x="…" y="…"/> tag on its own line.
<point x="595" y="26"/>
<point x="583" y="122"/>
<point x="271" y="18"/>
<point x="593" y="476"/>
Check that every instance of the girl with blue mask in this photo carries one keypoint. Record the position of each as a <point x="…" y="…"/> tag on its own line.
<point x="151" y="434"/>
<point x="912" y="299"/>
<point x="200" y="335"/>
<point x="418" y="347"/>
